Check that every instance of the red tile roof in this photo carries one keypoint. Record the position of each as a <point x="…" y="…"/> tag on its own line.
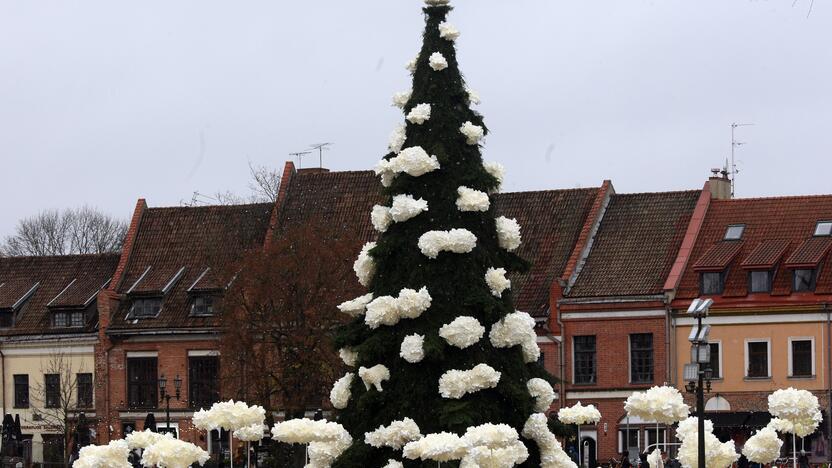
<point x="636" y="245"/>
<point x="718" y="256"/>
<point x="174" y="247"/>
<point x="810" y="253"/>
<point x="766" y="255"/>
<point x="63" y="282"/>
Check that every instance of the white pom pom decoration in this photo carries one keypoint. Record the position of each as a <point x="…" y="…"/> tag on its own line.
<point x="419" y="114"/>
<point x="400" y="99"/>
<point x="457" y="241"/>
<point x="412" y="349"/>
<point x="508" y="233"/>
<point x="357" y="306"/>
<point x="381" y="218"/>
<point x="340" y="394"/>
<point x="462" y="332"/>
<point x="473" y="133"/>
<point x="469" y="199"/>
<point x="365" y="266"/>
<point x="496" y="279"/>
<point x="448" y="32"/>
<point x="374" y="376"/>
<point x="454" y="384"/>
<point x="438" y="62"/>
<point x="406" y="207"/>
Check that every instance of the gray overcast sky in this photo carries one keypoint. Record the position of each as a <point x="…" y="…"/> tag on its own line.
<point x="102" y="101"/>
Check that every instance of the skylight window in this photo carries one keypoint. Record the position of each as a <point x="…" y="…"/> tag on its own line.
<point x="823" y="228"/>
<point x="734" y="232"/>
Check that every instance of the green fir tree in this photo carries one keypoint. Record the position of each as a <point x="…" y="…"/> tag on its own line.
<point x="439" y="261"/>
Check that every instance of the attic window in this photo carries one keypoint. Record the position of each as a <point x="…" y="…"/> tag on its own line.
<point x="146" y="308"/>
<point x="823" y="228"/>
<point x="68" y="319"/>
<point x="6" y="318"/>
<point x="203" y="305"/>
<point x="734" y="232"/>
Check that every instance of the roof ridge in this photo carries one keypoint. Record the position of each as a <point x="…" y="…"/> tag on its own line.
<point x="64" y="256"/>
<point x="207" y="207"/>
<point x="525" y="192"/>
<point x="773" y="198"/>
<point x="668" y="192"/>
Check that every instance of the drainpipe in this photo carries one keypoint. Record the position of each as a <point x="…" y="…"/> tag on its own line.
<point x="828" y="382"/>
<point x="109" y="422"/>
<point x="3" y="391"/>
<point x="668" y="351"/>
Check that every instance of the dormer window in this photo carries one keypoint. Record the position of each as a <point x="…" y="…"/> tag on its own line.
<point x="759" y="281"/>
<point x="68" y="319"/>
<point x="712" y="283"/>
<point x="804" y="280"/>
<point x="823" y="228"/>
<point x="734" y="232"/>
<point x="146" y="308"/>
<point x="6" y="318"/>
<point x="203" y="305"/>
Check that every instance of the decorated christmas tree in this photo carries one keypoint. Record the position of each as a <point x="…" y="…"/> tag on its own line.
<point x="444" y="369"/>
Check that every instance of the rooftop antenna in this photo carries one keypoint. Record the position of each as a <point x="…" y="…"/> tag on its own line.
<point x="320" y="147"/>
<point x="734" y="145"/>
<point x="299" y="155"/>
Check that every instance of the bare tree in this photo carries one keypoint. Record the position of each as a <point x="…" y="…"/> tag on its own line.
<point x="72" y="231"/>
<point x="264" y="187"/>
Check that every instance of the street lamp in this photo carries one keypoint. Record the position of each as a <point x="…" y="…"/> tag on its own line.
<point x="165" y="396"/>
<point x="698" y="372"/>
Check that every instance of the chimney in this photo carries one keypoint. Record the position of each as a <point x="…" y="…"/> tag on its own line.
<point x="720" y="185"/>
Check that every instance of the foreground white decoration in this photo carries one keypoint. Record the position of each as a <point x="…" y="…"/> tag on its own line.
<point x="340" y="394"/>
<point x="413" y="161"/>
<point x="173" y="453"/>
<point x="579" y="414"/>
<point x="112" y="455"/>
<point x="496" y="170"/>
<point x="508" y="233"/>
<point x="448" y="32"/>
<point x="439" y="447"/>
<point x="349" y="356"/>
<point x="496" y="280"/>
<point x="252" y="433"/>
<point x="473" y="133"/>
<point x="365" y="266"/>
<point x="438" y="62"/>
<point x="395" y="435"/>
<point x="456" y="241"/>
<point x="798" y="407"/>
<point x="661" y="404"/>
<point x="327" y="440"/>
<point x="387" y="310"/>
<point x="419" y="114"/>
<point x="380" y="217"/>
<point x="493" y="445"/>
<point x="397" y="139"/>
<point x="374" y="376"/>
<point x="462" y="332"/>
<point x="551" y="452"/>
<point x="142" y="439"/>
<point x="412" y="349"/>
<point x="469" y="199"/>
<point x="406" y="207"/>
<point x="688" y="427"/>
<point x="654" y="460"/>
<point x="717" y="454"/>
<point x="542" y="392"/>
<point x="516" y="329"/>
<point x="763" y="447"/>
<point x="229" y="415"/>
<point x="400" y="99"/>
<point x="473" y="97"/>
<point x="412" y="64"/>
<point x="455" y="384"/>
<point x="393" y="464"/>
<point x="357" y="306"/>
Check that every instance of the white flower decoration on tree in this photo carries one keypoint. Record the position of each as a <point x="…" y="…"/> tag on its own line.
<point x="387" y="310"/>
<point x="356" y="307"/>
<point x="340" y="394"/>
<point x="661" y="404"/>
<point x="579" y="414"/>
<point x="405" y="207"/>
<point x="413" y="348"/>
<point x="413" y="161"/>
<point x="365" y="266"/>
<point x="473" y="97"/>
<point x="323" y="454"/>
<point x="508" y="233"/>
<point x="496" y="280"/>
<point x="551" y="452"/>
<point x="469" y="199"/>
<point x="542" y="392"/>
<point x="496" y="170"/>
<point x="439" y="447"/>
<point x="473" y="133"/>
<point x="252" y="433"/>
<point x="454" y="384"/>
<point x="516" y="329"/>
<point x="448" y="32"/>
<point x="495" y="445"/>
<point x="395" y="435"/>
<point x="380" y="217"/>
<point x="327" y="440"/>
<point x="142" y="439"/>
<point x="374" y="376"/>
<point x="419" y="114"/>
<point x="412" y="64"/>
<point x="798" y="407"/>
<point x="400" y="99"/>
<point x="457" y="241"/>
<point x="397" y="139"/>
<point x="173" y="453"/>
<point x="112" y="455"/>
<point x="349" y="356"/>
<point x="462" y="332"/>
<point x="763" y="447"/>
<point x="438" y="62"/>
<point x="393" y="464"/>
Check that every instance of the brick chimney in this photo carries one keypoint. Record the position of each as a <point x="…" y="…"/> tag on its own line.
<point x="720" y="184"/>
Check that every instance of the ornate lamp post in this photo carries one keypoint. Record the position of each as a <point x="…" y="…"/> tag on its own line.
<point x="698" y="372"/>
<point x="165" y="396"/>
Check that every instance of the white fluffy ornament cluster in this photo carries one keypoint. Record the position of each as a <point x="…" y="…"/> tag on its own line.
<point x="661" y="404"/>
<point x="579" y="414"/>
<point x="654" y="460"/>
<point x="340" y="394"/>
<point x="438" y="61"/>
<point x="393" y="464"/>
<point x="252" y="433"/>
<point x="388" y="310"/>
<point x="448" y="32"/>
<point x="413" y="348"/>
<point x="493" y="445"/>
<point x="763" y="447"/>
<point x="142" y="439"/>
<point x="327" y="440"/>
<point x="229" y="415"/>
<point x="799" y="407"/>
<point x="473" y="133"/>
<point x="542" y="392"/>
<point x="374" y="376"/>
<point x="688" y="427"/>
<point x="397" y="138"/>
<point x="496" y="280"/>
<point x="406" y="207"/>
<point x="357" y="306"/>
<point x="717" y="454"/>
<point x="473" y="97"/>
<point x="413" y="161"/>
<point x="173" y="453"/>
<point x="508" y="233"/>
<point x="551" y="452"/>
<point x="456" y="241"/>
<point x="112" y="455"/>
<point x="365" y="266"/>
<point x="395" y="435"/>
<point x="496" y="170"/>
<point x="516" y="329"/>
<point x="439" y="447"/>
<point x="348" y="356"/>
<point x="469" y="199"/>
<point x="462" y="332"/>
<point x="400" y="99"/>
<point x="419" y="114"/>
<point x="454" y="384"/>
<point x="380" y="217"/>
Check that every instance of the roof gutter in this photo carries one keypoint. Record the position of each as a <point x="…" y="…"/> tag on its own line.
<point x="614" y="299"/>
<point x="157" y="332"/>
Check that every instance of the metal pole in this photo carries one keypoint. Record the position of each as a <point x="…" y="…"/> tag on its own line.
<point x="580" y="457"/>
<point x="231" y="447"/>
<point x="794" y="451"/>
<point x="700" y="410"/>
<point x="167" y="401"/>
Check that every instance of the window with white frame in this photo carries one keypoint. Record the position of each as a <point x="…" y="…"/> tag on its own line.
<point x="584" y="359"/>
<point x="801" y="357"/>
<point x="650" y="436"/>
<point x="630" y="436"/>
<point x="757" y="359"/>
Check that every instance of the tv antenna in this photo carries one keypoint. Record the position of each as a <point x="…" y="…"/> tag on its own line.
<point x="734" y="145"/>
<point x="299" y="155"/>
<point x="320" y="147"/>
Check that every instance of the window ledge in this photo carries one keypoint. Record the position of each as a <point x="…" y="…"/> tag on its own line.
<point x="801" y="377"/>
<point x="753" y="379"/>
<point x="587" y="384"/>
